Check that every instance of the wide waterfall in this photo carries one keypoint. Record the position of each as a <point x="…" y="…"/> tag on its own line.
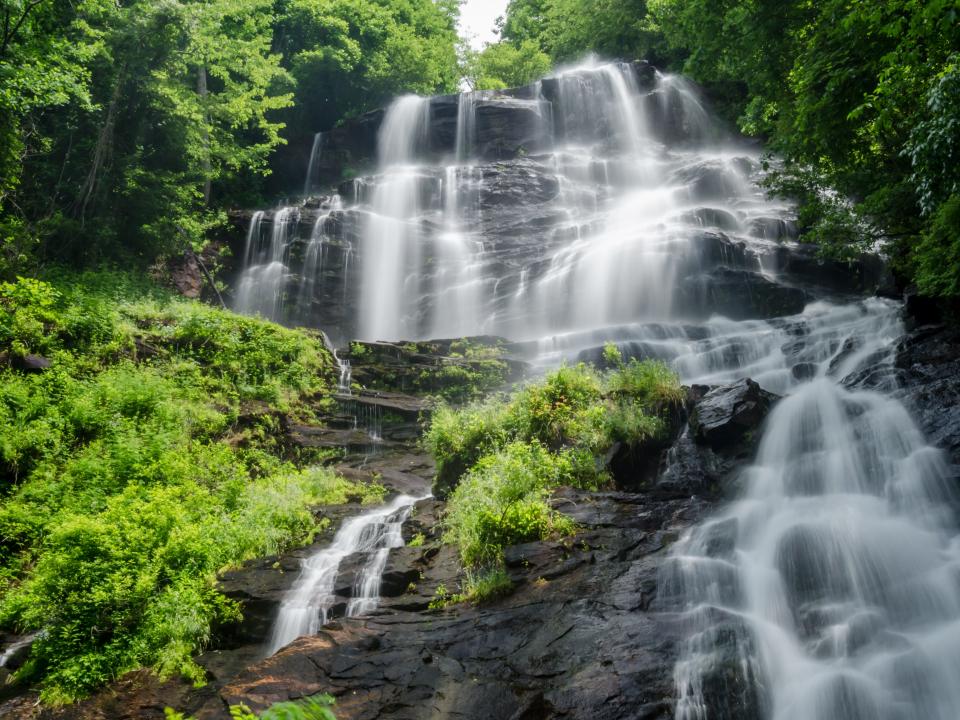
<point x="614" y="185"/>
<point x="604" y="204"/>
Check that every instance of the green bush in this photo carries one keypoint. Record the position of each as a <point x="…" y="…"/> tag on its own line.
<point x="311" y="708"/>
<point x="486" y="586"/>
<point x="500" y="460"/>
<point x="128" y="478"/>
<point x="502" y="502"/>
<point x="572" y="408"/>
<point x="937" y="257"/>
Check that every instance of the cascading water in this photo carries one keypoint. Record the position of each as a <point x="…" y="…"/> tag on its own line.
<point x="604" y="205"/>
<point x="261" y="288"/>
<point x="831" y="590"/>
<point x="374" y="533"/>
<point x="391" y="240"/>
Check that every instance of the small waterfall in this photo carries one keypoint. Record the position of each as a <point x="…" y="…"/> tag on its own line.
<point x="313" y="260"/>
<point x="262" y="286"/>
<point x="831" y="590"/>
<point x="346" y="376"/>
<point x="13" y="648"/>
<point x="466" y="125"/>
<point x="456" y="257"/>
<point x="312" y="164"/>
<point x="307" y="604"/>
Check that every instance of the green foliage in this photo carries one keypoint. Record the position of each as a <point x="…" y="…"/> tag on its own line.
<point x="502" y="501"/>
<point x="146" y="113"/>
<point x="128" y="477"/>
<point x="934" y="144"/>
<point x="311" y="708"/>
<point x="127" y="128"/>
<point x="349" y="56"/>
<point x="567" y="29"/>
<point x="487" y="586"/>
<point x="500" y="461"/>
<point x="504" y="65"/>
<point x="938" y="255"/>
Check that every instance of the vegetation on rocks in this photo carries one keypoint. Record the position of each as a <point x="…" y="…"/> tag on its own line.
<point x="499" y="461"/>
<point x="147" y="456"/>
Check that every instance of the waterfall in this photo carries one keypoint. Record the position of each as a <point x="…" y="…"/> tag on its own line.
<point x="307" y="604"/>
<point x="609" y="181"/>
<point x="315" y="152"/>
<point x="605" y="204"/>
<point x="262" y="286"/>
<point x="391" y="237"/>
<point x="313" y="260"/>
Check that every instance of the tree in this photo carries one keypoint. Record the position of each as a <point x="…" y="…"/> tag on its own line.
<point x="349" y="56"/>
<point x="502" y="65"/>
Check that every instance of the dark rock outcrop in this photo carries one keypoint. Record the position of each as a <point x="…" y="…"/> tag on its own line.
<point x="719" y="439"/>
<point x="928" y="365"/>
<point x="726" y="417"/>
<point x="740" y="295"/>
<point x="559" y="648"/>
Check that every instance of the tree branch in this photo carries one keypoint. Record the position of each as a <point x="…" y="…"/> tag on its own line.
<point x="8" y="32"/>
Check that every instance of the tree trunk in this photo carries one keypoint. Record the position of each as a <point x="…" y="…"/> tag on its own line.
<point x="101" y="152"/>
<point x="205" y="132"/>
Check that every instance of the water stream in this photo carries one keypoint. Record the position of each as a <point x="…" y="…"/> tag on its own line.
<point x="307" y="604"/>
<point x="831" y="589"/>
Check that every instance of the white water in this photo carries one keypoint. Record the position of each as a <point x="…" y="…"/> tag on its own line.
<point x="304" y="609"/>
<point x="831" y="589"/>
<point x="261" y="287"/>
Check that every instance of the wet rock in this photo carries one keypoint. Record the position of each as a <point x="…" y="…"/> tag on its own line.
<point x="803" y="264"/>
<point x="31" y="363"/>
<point x="729" y="416"/>
<point x="773" y="228"/>
<point x="552" y="650"/>
<point x="730" y="681"/>
<point x="507" y="127"/>
<point x="739" y="295"/>
<point x="928" y="366"/>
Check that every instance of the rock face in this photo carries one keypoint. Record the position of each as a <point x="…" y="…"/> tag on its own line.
<point x="557" y="647"/>
<point x="928" y="365"/>
<point x="721" y="436"/>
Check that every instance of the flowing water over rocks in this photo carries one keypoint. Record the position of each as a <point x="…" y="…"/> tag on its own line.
<point x="831" y="589"/>
<point x="602" y="205"/>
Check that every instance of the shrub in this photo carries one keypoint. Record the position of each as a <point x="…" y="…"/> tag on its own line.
<point x="126" y="480"/>
<point x="486" y="586"/>
<point x="571" y="409"/>
<point x="499" y="461"/>
<point x="502" y="501"/>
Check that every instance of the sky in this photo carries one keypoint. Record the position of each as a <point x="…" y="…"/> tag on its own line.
<point x="476" y="20"/>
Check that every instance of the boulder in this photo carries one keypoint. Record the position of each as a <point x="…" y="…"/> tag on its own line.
<point x="729" y="416"/>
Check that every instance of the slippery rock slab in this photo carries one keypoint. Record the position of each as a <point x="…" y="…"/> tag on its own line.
<point x="739" y="295"/>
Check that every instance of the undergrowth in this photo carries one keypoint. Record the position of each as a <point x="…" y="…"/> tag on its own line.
<point x="499" y="461"/>
<point x="147" y="457"/>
